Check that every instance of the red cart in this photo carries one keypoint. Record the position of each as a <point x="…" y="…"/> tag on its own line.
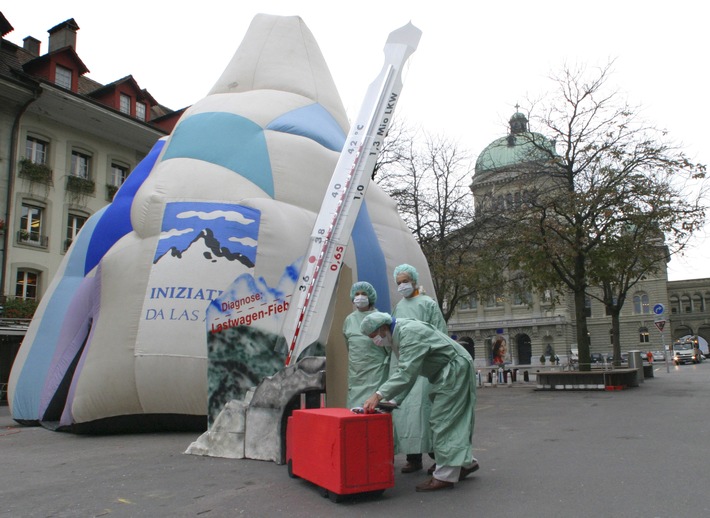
<point x="342" y="452"/>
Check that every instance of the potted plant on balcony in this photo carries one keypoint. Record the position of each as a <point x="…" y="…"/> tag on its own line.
<point x="35" y="173"/>
<point x="111" y="191"/>
<point x="78" y="188"/>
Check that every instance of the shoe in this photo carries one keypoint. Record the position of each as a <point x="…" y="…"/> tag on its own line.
<point x="433" y="484"/>
<point x="431" y="469"/>
<point x="411" y="467"/>
<point x="467" y="470"/>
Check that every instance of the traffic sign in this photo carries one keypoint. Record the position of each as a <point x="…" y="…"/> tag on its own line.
<point x="660" y="324"/>
<point x="658" y="309"/>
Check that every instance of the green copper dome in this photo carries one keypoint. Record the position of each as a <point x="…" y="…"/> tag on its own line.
<point x="519" y="147"/>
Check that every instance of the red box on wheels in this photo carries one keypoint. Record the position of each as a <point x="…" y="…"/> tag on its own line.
<point x="341" y="451"/>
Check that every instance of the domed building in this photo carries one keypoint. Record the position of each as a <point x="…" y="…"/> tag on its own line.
<point x="530" y="325"/>
<point x="507" y="166"/>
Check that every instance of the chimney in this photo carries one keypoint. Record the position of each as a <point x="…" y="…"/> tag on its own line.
<point x="32" y="45"/>
<point x="63" y="35"/>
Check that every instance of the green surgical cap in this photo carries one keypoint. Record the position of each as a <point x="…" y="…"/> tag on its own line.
<point x="409" y="270"/>
<point x="367" y="288"/>
<point x="374" y="321"/>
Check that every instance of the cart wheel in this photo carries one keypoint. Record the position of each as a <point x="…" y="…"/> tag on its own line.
<point x="289" y="464"/>
<point x="334" y="497"/>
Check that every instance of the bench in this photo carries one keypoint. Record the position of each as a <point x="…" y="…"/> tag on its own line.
<point x="613" y="379"/>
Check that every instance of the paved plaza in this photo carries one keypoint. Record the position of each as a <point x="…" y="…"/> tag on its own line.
<point x="636" y="452"/>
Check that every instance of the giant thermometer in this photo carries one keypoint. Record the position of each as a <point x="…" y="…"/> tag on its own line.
<point x="311" y="299"/>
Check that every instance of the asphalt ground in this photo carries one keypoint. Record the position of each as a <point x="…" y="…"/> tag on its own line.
<point x="636" y="452"/>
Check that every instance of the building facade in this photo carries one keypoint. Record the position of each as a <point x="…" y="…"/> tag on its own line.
<point x="535" y="325"/>
<point x="67" y="143"/>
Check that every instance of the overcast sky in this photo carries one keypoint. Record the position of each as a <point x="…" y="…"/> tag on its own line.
<point x="474" y="63"/>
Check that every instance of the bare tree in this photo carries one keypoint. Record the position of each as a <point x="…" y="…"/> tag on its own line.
<point x="606" y="186"/>
<point x="429" y="181"/>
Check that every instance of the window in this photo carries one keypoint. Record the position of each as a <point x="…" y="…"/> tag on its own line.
<point x="698" y="302"/>
<point x="641" y="304"/>
<point x="125" y="104"/>
<point x="522" y="298"/>
<point x="495" y="301"/>
<point x="675" y="304"/>
<point x="643" y="335"/>
<point x="26" y="285"/>
<point x="36" y="150"/>
<point x="118" y="175"/>
<point x="685" y="304"/>
<point x="469" y="302"/>
<point x="31" y="224"/>
<point x="62" y="77"/>
<point x="140" y="111"/>
<point x="587" y="306"/>
<point x="80" y="165"/>
<point x="74" y="224"/>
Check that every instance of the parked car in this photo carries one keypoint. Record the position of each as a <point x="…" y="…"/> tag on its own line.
<point x="596" y="358"/>
<point x="658" y="356"/>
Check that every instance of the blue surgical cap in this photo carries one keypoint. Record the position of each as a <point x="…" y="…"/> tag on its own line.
<point x="367" y="288"/>
<point x="374" y="321"/>
<point x="409" y="270"/>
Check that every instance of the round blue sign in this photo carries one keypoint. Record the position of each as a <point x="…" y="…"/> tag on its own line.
<point x="658" y="309"/>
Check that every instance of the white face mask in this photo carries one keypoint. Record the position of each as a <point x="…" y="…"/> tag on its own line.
<point x="361" y="301"/>
<point x="405" y="289"/>
<point x="381" y="341"/>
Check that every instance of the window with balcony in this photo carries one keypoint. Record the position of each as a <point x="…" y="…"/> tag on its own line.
<point x="36" y="150"/>
<point x="26" y="284"/>
<point x="79" y="182"/>
<point x="31" y="226"/>
<point x="80" y="165"/>
<point x="33" y="166"/>
<point x="119" y="174"/>
<point x="62" y="77"/>
<point x="125" y="104"/>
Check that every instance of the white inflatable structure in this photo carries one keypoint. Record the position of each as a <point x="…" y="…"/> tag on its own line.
<point x="170" y="301"/>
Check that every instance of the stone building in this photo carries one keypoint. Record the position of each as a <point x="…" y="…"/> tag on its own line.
<point x="535" y="325"/>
